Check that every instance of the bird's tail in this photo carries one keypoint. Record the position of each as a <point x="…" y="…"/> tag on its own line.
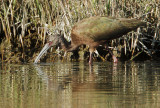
<point x="132" y="24"/>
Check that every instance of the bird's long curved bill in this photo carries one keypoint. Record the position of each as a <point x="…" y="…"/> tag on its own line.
<point x="43" y="51"/>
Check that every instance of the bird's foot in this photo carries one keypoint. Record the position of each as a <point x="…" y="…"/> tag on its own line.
<point x="115" y="60"/>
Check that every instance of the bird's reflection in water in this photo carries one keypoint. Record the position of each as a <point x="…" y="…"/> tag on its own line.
<point x="49" y="81"/>
<point x="76" y="83"/>
<point x="78" y="74"/>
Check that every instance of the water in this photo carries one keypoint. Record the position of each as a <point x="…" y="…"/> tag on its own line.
<point x="77" y="85"/>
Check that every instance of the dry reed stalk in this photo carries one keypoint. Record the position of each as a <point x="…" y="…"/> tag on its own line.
<point x="65" y="13"/>
<point x="16" y="16"/>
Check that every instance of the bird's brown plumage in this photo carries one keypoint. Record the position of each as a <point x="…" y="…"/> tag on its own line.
<point x="97" y="30"/>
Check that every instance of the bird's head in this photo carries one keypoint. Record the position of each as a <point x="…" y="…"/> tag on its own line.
<point x="52" y="40"/>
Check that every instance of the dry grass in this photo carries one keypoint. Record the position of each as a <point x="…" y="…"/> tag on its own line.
<point x="23" y="24"/>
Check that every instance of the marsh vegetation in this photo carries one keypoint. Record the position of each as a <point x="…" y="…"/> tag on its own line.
<point x="24" y="26"/>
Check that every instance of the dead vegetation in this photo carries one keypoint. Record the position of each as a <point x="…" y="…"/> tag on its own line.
<point x="23" y="27"/>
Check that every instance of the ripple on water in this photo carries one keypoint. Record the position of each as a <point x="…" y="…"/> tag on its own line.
<point x="76" y="84"/>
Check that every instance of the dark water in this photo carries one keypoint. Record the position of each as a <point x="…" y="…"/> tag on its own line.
<point x="77" y="85"/>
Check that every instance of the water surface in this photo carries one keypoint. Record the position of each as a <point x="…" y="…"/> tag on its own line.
<point x="78" y="85"/>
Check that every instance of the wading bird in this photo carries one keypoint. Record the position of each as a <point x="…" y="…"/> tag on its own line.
<point x="93" y="31"/>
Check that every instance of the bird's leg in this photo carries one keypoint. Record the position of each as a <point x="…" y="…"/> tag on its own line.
<point x="91" y="50"/>
<point x="115" y="60"/>
<point x="90" y="58"/>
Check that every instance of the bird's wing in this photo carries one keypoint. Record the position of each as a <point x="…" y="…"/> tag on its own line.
<point x="103" y="28"/>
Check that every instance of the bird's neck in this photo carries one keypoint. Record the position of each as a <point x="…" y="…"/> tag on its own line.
<point x="67" y="46"/>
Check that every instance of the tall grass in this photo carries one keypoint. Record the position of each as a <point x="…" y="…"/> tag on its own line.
<point x="23" y="24"/>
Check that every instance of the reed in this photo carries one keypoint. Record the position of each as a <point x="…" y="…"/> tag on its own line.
<point x="23" y="24"/>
